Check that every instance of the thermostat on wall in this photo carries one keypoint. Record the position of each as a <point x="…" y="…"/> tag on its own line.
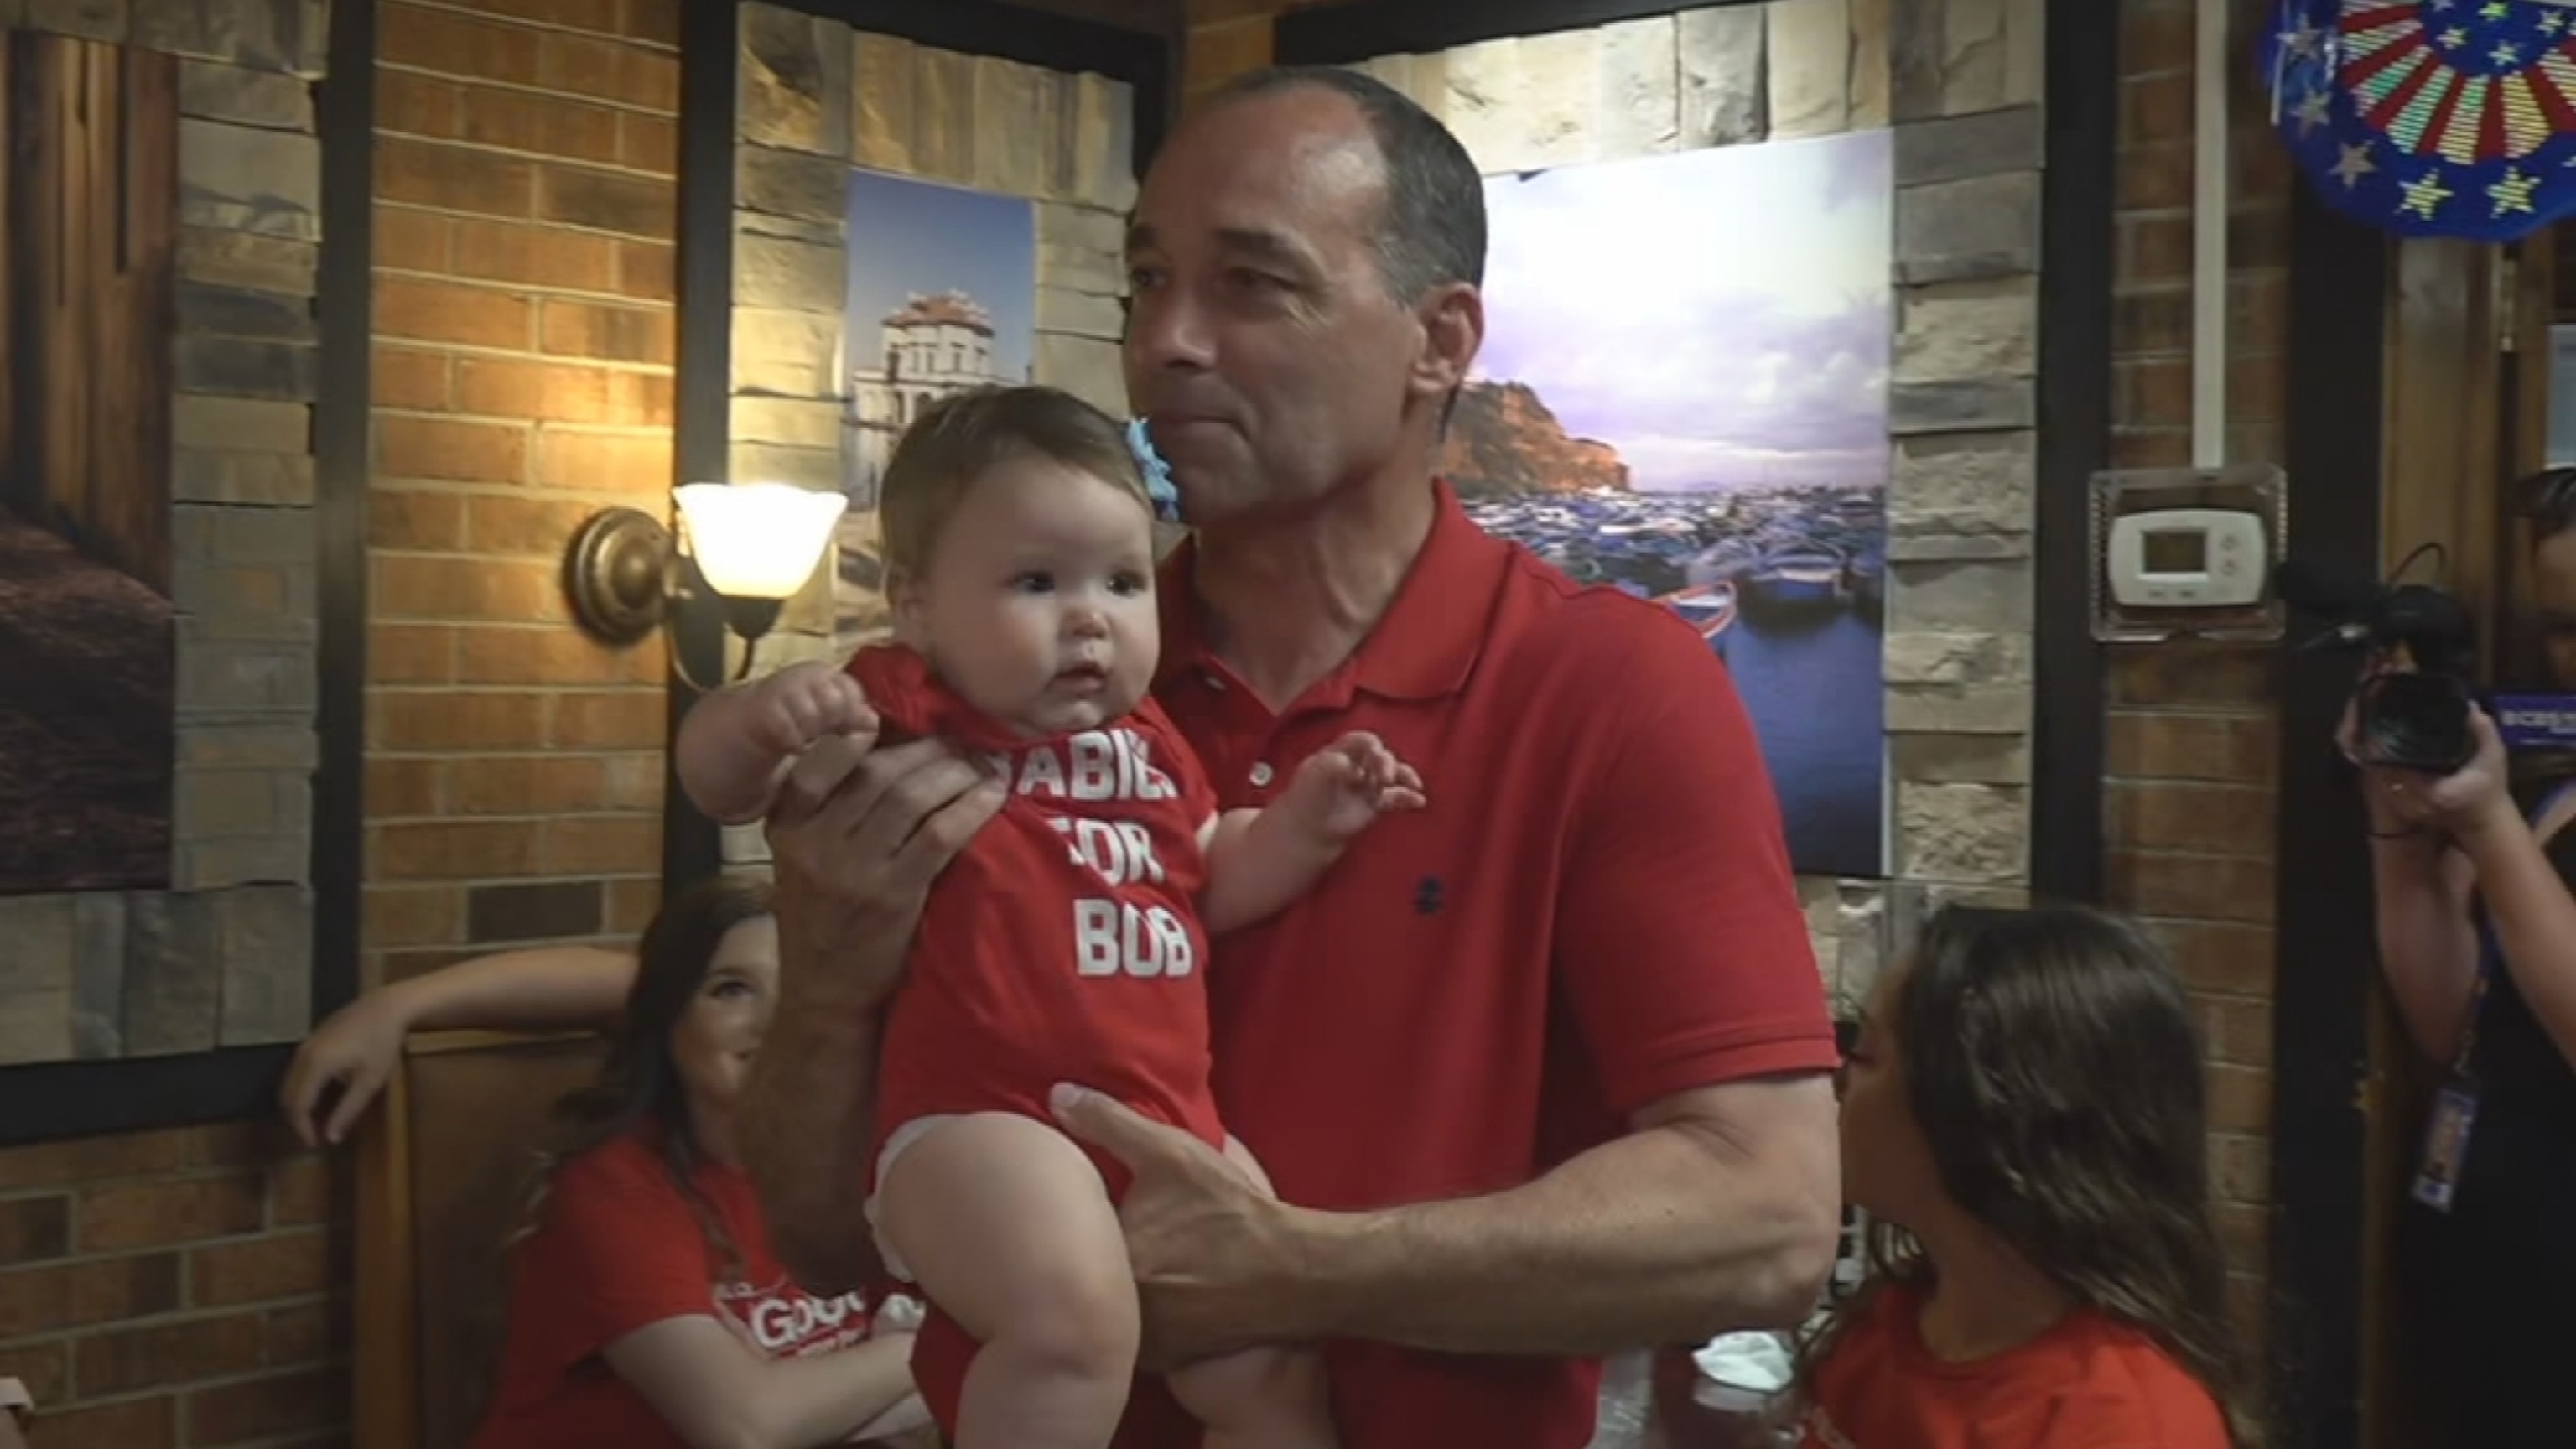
<point x="2188" y="553"/>
<point x="2187" y="558"/>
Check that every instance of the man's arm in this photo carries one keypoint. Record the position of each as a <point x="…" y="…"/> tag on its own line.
<point x="855" y="841"/>
<point x="1719" y="1210"/>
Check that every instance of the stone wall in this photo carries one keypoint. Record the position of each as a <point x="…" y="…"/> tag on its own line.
<point x="1959" y="82"/>
<point x="816" y="99"/>
<point x="224" y="957"/>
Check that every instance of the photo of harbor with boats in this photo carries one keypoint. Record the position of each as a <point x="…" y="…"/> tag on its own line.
<point x="1693" y="410"/>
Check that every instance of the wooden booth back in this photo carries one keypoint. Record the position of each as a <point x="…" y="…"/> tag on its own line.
<point x="444" y="1168"/>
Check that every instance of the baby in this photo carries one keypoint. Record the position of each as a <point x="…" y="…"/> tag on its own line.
<point x="1068" y="942"/>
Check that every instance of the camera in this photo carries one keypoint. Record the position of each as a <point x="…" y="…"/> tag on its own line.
<point x="2415" y="716"/>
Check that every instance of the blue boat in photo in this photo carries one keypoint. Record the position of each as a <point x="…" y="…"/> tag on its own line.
<point x="1694" y="412"/>
<point x="1797" y="578"/>
<point x="1709" y="608"/>
<point x="1865" y="578"/>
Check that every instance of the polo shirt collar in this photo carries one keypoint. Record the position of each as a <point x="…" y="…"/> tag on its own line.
<point x="1423" y="647"/>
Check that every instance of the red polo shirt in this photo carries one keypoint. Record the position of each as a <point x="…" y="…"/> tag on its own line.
<point x="1594" y="912"/>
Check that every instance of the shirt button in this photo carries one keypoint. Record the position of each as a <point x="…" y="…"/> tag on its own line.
<point x="1260" y="774"/>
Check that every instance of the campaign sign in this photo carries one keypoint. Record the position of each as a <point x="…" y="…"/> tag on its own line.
<point x="2537" y="721"/>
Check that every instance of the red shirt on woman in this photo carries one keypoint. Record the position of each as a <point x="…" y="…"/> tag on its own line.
<point x="619" y="1248"/>
<point x="2087" y="1383"/>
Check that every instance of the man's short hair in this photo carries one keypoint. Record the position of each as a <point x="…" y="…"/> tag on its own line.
<point x="1432" y="231"/>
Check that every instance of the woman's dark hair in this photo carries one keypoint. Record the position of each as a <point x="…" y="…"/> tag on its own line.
<point x="2050" y="1061"/>
<point x="638" y="1085"/>
<point x="2548" y="502"/>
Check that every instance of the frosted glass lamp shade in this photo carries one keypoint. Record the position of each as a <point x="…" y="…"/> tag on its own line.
<point x="757" y="540"/>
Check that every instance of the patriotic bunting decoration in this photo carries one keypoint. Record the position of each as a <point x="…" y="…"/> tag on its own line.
<point x="2449" y="118"/>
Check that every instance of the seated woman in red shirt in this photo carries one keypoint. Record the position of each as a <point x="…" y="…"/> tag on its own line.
<point x="646" y="1310"/>
<point x="2022" y="1119"/>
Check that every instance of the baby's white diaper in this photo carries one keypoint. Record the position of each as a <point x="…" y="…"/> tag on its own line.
<point x="896" y="1141"/>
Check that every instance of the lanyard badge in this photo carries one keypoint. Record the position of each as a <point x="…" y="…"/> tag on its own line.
<point x="2446" y="1145"/>
<point x="2455" y="1107"/>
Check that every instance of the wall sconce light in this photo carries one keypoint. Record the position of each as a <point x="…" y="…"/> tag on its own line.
<point x="754" y="546"/>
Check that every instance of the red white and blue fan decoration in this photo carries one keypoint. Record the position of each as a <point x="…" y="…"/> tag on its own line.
<point x="2450" y="118"/>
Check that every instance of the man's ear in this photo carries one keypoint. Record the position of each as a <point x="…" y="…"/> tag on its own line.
<point x="1453" y="329"/>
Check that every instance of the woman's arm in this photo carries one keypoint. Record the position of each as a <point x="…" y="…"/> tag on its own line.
<point x="2428" y="950"/>
<point x="2534" y="920"/>
<point x="717" y="1392"/>
<point x="356" y="1047"/>
<point x="2420" y="887"/>
<point x="2527" y="905"/>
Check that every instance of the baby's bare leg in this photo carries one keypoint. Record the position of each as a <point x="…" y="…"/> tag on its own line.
<point x="1009" y="1230"/>
<point x="1262" y="1398"/>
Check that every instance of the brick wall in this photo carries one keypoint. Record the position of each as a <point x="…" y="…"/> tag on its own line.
<point x="2189" y="813"/>
<point x="526" y="212"/>
<point x="175" y="1288"/>
<point x="189" y="1287"/>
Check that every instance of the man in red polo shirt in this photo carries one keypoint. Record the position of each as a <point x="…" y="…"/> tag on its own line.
<point x="1540" y="1072"/>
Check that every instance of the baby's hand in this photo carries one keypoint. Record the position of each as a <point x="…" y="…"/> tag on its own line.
<point x="1342" y="789"/>
<point x="791" y="711"/>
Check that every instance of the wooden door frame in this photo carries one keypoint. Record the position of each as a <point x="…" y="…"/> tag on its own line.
<point x="2340" y="273"/>
<point x="2398" y="381"/>
<point x="386" y="1358"/>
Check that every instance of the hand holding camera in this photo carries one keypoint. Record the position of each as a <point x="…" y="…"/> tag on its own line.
<point x="2411" y="708"/>
<point x="2409" y="800"/>
<point x="2430" y="758"/>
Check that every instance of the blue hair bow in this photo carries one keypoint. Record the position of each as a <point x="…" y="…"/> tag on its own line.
<point x="1159" y="487"/>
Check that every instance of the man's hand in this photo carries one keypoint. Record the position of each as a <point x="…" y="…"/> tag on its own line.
<point x="1208" y="1243"/>
<point x="856" y="839"/>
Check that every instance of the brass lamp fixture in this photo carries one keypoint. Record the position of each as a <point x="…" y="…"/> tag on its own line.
<point x="753" y="546"/>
